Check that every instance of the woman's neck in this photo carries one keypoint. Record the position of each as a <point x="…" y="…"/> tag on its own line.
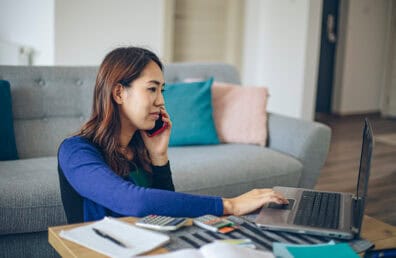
<point x="127" y="132"/>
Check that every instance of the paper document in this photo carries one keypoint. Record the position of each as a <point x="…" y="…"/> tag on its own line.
<point x="217" y="250"/>
<point x="115" y="238"/>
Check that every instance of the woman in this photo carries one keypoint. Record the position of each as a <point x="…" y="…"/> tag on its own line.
<point x="119" y="170"/>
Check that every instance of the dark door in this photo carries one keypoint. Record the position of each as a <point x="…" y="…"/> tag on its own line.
<point x="327" y="56"/>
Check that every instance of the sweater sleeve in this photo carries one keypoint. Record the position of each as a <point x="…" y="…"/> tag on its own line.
<point x="162" y="177"/>
<point x="88" y="173"/>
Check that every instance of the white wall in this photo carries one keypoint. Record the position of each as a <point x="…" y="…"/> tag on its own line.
<point x="281" y="47"/>
<point x="74" y="32"/>
<point x="360" y="61"/>
<point x="87" y="30"/>
<point x="28" y="23"/>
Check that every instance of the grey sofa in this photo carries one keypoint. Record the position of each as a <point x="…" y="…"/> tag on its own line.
<point x="50" y="103"/>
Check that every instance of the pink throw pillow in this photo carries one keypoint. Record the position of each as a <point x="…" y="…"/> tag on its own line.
<point x="240" y="113"/>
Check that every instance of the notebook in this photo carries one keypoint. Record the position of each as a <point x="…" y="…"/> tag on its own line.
<point x="115" y="238"/>
<point x="323" y="213"/>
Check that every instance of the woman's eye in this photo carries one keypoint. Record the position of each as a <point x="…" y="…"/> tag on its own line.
<point x="153" y="89"/>
<point x="163" y="89"/>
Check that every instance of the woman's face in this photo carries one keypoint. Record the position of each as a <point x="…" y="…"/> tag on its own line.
<point x="143" y="100"/>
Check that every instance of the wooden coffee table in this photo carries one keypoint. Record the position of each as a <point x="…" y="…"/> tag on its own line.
<point x="381" y="234"/>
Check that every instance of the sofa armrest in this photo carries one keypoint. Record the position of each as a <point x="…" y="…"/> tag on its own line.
<point x="307" y="141"/>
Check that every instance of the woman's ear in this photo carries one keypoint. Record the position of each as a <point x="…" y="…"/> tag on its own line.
<point x="117" y="94"/>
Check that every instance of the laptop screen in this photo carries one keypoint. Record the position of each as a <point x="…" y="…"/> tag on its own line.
<point x="365" y="161"/>
<point x="364" y="174"/>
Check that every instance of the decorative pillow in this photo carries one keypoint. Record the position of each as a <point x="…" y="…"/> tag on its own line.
<point x="240" y="113"/>
<point x="190" y="108"/>
<point x="8" y="149"/>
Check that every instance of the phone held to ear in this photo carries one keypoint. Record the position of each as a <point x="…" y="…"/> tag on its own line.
<point x="159" y="127"/>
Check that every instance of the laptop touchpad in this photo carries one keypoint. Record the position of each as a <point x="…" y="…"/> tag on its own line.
<point x="274" y="205"/>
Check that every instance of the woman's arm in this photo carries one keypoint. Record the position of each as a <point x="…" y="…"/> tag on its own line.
<point x="162" y="177"/>
<point x="87" y="172"/>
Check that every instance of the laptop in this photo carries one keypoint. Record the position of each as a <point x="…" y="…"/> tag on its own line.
<point x="322" y="213"/>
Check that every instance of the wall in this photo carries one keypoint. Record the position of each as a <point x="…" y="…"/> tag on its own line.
<point x="281" y="43"/>
<point x="388" y="100"/>
<point x="87" y="30"/>
<point x="281" y="51"/>
<point x="27" y="23"/>
<point x="360" y="61"/>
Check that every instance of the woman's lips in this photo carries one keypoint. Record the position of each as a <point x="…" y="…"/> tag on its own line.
<point x="155" y="116"/>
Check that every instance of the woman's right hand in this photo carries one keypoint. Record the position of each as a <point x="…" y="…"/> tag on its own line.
<point x="251" y="201"/>
<point x="157" y="145"/>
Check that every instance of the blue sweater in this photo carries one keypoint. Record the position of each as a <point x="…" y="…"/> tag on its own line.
<point x="105" y="193"/>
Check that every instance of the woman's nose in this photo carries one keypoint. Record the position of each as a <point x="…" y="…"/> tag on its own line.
<point x="160" y="101"/>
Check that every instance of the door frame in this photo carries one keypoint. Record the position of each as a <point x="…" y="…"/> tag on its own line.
<point x="387" y="87"/>
<point x="168" y="30"/>
<point x="325" y="94"/>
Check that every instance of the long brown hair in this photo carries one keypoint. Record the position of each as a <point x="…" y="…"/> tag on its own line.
<point x="122" y="65"/>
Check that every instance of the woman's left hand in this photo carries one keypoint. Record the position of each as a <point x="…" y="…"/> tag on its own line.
<point x="157" y="145"/>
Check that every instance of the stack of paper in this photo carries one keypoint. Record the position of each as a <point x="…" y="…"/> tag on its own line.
<point x="131" y="239"/>
<point x="331" y="249"/>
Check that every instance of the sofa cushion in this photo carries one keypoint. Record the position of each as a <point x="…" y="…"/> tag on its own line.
<point x="190" y="108"/>
<point x="8" y="149"/>
<point x="240" y="113"/>
<point x="231" y="169"/>
<point x="29" y="195"/>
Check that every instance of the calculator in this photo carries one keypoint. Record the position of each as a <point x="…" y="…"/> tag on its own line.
<point x="163" y="223"/>
<point x="214" y="223"/>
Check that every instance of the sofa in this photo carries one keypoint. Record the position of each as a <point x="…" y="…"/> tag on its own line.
<point x="51" y="103"/>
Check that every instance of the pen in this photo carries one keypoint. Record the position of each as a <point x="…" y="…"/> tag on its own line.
<point x="107" y="236"/>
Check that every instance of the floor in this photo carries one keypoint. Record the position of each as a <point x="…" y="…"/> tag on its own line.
<point x="340" y="170"/>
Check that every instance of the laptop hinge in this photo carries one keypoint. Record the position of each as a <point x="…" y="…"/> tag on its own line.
<point x="357" y="201"/>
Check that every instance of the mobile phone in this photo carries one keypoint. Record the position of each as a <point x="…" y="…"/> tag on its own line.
<point x="164" y="223"/>
<point x="158" y="127"/>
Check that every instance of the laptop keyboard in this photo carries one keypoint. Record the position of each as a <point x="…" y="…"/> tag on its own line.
<point x="318" y="209"/>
